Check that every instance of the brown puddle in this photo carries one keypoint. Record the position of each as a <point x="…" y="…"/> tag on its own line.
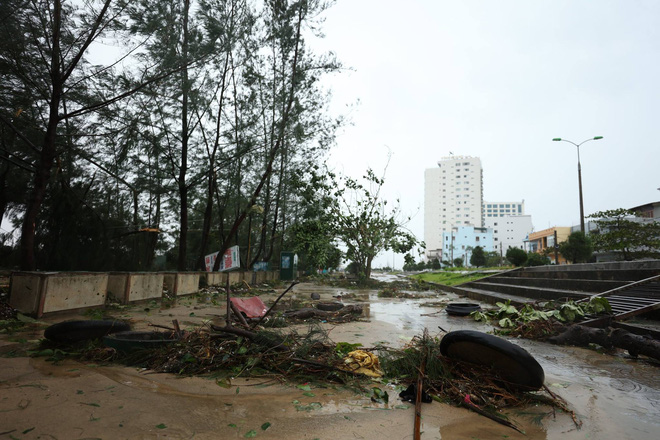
<point x="615" y="397"/>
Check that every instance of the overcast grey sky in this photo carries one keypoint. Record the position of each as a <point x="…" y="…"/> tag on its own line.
<point x="499" y="80"/>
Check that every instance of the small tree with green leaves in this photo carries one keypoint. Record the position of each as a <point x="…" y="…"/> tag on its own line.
<point x="365" y="225"/>
<point x="577" y="249"/>
<point x="478" y="257"/>
<point x="516" y="256"/>
<point x="493" y="259"/>
<point x="458" y="262"/>
<point x="620" y="232"/>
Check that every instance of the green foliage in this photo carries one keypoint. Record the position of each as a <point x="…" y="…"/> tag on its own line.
<point x="577" y="249"/>
<point x="493" y="259"/>
<point x="458" y="262"/>
<point x="478" y="257"/>
<point x="516" y="256"/>
<point x="536" y="259"/>
<point x="509" y="317"/>
<point x="313" y="236"/>
<point x="449" y="278"/>
<point x="226" y="119"/>
<point x="364" y="224"/>
<point x="620" y="232"/>
<point x="343" y="348"/>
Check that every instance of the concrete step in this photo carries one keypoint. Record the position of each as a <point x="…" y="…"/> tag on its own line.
<point x="591" y="286"/>
<point x="534" y="293"/>
<point x="628" y="275"/>
<point x="490" y="297"/>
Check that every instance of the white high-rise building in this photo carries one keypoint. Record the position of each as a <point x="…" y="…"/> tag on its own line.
<point x="502" y="209"/>
<point x="453" y="197"/>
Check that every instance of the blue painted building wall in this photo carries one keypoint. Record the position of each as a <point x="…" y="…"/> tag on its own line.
<point x="464" y="237"/>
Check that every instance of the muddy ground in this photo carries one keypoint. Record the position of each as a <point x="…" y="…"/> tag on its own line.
<point x="616" y="397"/>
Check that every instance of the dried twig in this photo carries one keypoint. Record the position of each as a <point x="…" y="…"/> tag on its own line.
<point x="274" y="304"/>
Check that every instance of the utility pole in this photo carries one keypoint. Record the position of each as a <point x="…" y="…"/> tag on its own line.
<point x="556" y="249"/>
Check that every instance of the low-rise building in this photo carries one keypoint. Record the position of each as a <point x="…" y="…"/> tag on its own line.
<point x="459" y="242"/>
<point x="540" y="241"/>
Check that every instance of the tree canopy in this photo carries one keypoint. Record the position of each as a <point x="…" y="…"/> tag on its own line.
<point x="577" y="248"/>
<point x="478" y="257"/>
<point x="365" y="225"/>
<point x="516" y="256"/>
<point x="200" y="134"/>
<point x="626" y="236"/>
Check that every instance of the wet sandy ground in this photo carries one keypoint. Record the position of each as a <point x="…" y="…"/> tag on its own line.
<point x="615" y="397"/>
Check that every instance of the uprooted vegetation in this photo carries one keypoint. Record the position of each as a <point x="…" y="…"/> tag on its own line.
<point x="226" y="353"/>
<point x="540" y="322"/>
<point x="559" y="324"/>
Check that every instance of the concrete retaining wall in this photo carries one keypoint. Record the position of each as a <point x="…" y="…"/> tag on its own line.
<point x="235" y="277"/>
<point x="129" y="287"/>
<point x="186" y="283"/>
<point x="216" y="278"/>
<point x="37" y="293"/>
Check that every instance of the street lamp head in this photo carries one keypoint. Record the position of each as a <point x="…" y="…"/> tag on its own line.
<point x="597" y="137"/>
<point x="556" y="139"/>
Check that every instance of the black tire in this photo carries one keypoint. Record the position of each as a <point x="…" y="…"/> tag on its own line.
<point x="511" y="363"/>
<point x="138" y="340"/>
<point x="78" y="331"/>
<point x="330" y="307"/>
<point x="462" y="309"/>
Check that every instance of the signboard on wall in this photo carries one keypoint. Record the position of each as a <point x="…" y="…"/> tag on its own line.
<point x="230" y="260"/>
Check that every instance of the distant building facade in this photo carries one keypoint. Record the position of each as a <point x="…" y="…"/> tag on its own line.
<point x="503" y="209"/>
<point x="453" y="197"/>
<point x="509" y="231"/>
<point x="459" y="241"/>
<point x="540" y="241"/>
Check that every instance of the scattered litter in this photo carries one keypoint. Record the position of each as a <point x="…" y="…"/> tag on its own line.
<point x="362" y="362"/>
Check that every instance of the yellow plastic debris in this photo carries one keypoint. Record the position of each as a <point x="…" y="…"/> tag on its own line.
<point x="362" y="362"/>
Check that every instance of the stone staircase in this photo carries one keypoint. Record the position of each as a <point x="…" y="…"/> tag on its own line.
<point x="543" y="283"/>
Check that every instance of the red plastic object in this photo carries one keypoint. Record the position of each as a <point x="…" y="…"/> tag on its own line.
<point x="252" y="307"/>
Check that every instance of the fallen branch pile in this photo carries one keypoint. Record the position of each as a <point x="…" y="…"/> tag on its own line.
<point x="608" y="338"/>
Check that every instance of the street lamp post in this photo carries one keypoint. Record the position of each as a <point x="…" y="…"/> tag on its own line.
<point x="595" y="138"/>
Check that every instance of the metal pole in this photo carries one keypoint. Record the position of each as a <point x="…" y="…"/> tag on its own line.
<point x="580" y="186"/>
<point x="595" y="138"/>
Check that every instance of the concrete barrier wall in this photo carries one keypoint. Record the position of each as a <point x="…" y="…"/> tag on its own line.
<point x="169" y="282"/>
<point x="37" y="293"/>
<point x="117" y="283"/>
<point x="235" y="277"/>
<point x="216" y="278"/>
<point x="186" y="283"/>
<point x="144" y="286"/>
<point x="260" y="277"/>
<point x="64" y="291"/>
<point x="25" y="291"/>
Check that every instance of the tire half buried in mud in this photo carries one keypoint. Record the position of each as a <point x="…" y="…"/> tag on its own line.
<point x="78" y="331"/>
<point x="511" y="363"/>
<point x="462" y="309"/>
<point x="133" y="341"/>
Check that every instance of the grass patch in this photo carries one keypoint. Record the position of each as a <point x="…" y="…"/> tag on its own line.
<point x="450" y="278"/>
